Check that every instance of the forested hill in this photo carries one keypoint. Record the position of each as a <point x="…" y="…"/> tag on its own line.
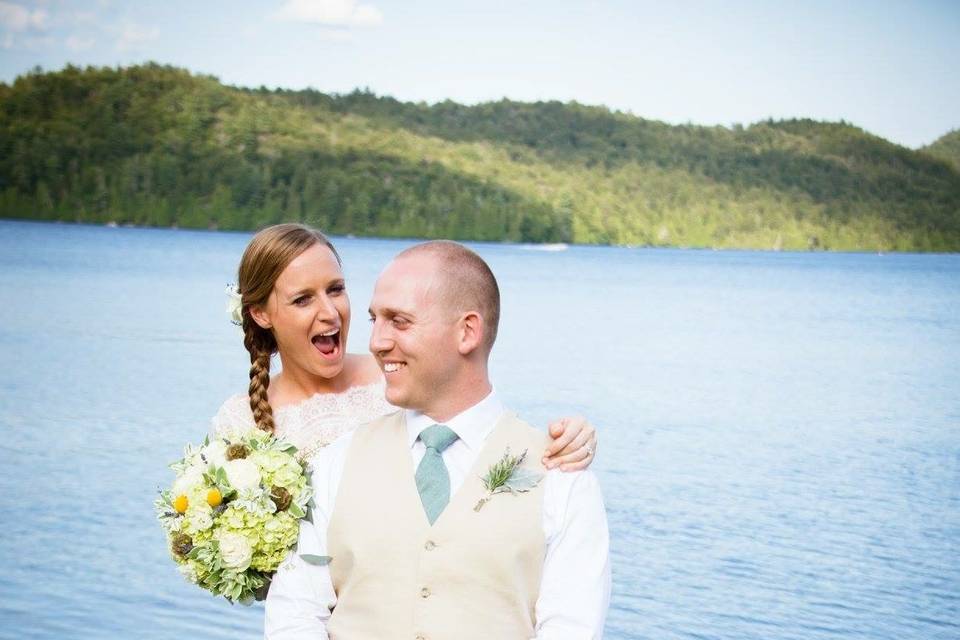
<point x="155" y="145"/>
<point x="947" y="148"/>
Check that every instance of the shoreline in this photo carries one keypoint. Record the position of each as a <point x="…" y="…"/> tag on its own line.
<point x="545" y="247"/>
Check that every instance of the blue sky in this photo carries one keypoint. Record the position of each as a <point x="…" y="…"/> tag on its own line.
<point x="892" y="68"/>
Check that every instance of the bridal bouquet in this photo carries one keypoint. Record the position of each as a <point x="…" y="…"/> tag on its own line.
<point x="233" y="512"/>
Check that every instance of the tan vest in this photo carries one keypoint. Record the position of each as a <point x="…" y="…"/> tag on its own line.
<point x="469" y="575"/>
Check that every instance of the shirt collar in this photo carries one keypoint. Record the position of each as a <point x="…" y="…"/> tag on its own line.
<point x="472" y="425"/>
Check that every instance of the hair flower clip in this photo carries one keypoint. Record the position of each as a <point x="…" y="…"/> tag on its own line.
<point x="234" y="305"/>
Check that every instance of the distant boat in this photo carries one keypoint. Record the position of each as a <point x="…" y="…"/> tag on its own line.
<point x="112" y="224"/>
<point x="556" y="246"/>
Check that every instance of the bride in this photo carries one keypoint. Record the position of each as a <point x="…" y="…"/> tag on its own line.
<point x="293" y="301"/>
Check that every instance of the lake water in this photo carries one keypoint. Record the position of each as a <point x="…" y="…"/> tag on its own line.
<point x="780" y="432"/>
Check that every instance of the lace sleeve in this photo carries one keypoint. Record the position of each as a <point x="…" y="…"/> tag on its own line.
<point x="234" y="416"/>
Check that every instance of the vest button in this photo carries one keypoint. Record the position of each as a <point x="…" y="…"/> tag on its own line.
<point x="430" y="546"/>
<point x="425" y="593"/>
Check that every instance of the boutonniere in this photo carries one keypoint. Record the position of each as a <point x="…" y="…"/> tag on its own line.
<point x="507" y="475"/>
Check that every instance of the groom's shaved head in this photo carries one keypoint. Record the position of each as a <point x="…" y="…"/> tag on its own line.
<point x="464" y="282"/>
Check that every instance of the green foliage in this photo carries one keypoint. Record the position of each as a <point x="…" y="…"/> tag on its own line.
<point x="508" y="475"/>
<point x="947" y="147"/>
<point x="155" y="145"/>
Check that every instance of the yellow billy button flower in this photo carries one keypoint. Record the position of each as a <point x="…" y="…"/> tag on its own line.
<point x="214" y="498"/>
<point x="180" y="504"/>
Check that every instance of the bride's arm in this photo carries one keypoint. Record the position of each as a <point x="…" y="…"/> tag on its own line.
<point x="574" y="444"/>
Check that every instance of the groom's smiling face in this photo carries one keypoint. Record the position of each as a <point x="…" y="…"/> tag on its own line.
<point x="414" y="333"/>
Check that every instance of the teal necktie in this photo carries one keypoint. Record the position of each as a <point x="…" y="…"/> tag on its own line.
<point x="433" y="480"/>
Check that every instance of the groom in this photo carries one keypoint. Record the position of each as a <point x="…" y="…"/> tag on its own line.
<point x="396" y="501"/>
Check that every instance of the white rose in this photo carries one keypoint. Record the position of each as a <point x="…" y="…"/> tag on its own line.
<point x="191" y="479"/>
<point x="242" y="474"/>
<point x="235" y="432"/>
<point x="188" y="571"/>
<point x="236" y="551"/>
<point x="216" y="453"/>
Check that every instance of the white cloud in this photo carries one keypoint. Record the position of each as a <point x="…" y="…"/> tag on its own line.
<point x="133" y="35"/>
<point x="18" y="18"/>
<point x="337" y="13"/>
<point x="76" y="43"/>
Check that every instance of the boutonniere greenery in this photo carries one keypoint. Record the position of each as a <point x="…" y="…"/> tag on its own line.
<point x="508" y="475"/>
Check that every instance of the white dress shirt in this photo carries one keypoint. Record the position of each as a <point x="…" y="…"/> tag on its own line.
<point x="575" y="585"/>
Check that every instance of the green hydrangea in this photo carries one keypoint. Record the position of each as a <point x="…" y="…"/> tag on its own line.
<point x="279" y="533"/>
<point x="279" y="469"/>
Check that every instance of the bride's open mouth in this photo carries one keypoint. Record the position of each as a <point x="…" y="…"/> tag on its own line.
<point x="328" y="344"/>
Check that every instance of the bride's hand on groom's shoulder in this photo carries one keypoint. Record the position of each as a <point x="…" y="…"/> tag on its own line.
<point x="574" y="444"/>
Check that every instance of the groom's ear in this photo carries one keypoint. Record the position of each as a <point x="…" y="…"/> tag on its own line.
<point x="471" y="332"/>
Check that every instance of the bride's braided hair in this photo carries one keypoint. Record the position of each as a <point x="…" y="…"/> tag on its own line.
<point x="265" y="258"/>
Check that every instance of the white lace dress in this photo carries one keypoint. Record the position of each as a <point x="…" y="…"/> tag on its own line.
<point x="312" y="424"/>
